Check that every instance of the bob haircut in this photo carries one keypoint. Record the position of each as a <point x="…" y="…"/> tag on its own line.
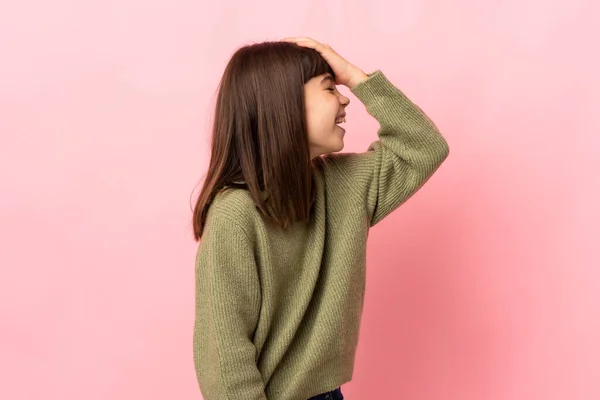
<point x="259" y="134"/>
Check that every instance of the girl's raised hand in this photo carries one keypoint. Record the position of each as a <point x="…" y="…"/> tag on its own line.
<point x="345" y="73"/>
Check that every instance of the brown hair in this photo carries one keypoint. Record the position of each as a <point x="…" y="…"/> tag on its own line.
<point x="259" y="132"/>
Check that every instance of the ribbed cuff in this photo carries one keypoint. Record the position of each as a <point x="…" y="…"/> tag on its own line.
<point x="376" y="85"/>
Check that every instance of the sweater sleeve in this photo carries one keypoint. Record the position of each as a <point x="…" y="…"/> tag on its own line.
<point x="228" y="302"/>
<point x="409" y="150"/>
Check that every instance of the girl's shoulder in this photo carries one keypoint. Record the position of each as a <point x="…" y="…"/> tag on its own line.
<point x="232" y="202"/>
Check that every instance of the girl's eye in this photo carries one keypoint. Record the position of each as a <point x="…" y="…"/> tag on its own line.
<point x="331" y="89"/>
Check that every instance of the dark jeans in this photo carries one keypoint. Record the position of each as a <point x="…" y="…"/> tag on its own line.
<point x="333" y="395"/>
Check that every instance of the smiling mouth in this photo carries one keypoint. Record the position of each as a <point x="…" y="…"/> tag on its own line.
<point x="340" y="119"/>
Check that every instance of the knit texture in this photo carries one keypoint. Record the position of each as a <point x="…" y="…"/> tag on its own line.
<point x="278" y="312"/>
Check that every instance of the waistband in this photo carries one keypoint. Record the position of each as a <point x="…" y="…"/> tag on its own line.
<point x="335" y="394"/>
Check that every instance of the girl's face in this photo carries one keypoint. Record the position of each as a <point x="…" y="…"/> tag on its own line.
<point x="324" y="108"/>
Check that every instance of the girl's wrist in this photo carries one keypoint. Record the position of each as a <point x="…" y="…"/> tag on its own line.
<point x="357" y="78"/>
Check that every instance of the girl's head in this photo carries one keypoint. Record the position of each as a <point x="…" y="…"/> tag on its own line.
<point x="276" y="110"/>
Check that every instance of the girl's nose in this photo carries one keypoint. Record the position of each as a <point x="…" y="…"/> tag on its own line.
<point x="344" y="100"/>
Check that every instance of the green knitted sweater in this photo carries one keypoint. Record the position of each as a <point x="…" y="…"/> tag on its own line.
<point x="278" y="312"/>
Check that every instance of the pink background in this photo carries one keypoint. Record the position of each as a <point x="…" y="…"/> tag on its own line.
<point x="485" y="285"/>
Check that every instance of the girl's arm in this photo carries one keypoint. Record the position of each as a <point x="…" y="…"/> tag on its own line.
<point x="227" y="310"/>
<point x="409" y="150"/>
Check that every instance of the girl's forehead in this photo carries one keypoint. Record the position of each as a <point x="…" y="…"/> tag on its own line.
<point x="326" y="78"/>
<point x="323" y="79"/>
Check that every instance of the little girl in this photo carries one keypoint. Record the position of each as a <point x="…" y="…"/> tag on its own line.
<point x="283" y="222"/>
